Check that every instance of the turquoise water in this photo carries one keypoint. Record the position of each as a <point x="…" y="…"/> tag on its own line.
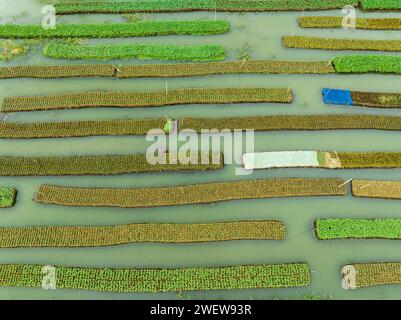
<point x="263" y="32"/>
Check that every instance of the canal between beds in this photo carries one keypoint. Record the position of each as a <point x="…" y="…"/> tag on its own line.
<point x="262" y="32"/>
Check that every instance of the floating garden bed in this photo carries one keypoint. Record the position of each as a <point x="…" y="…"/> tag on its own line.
<point x="170" y="70"/>
<point x="199" y="5"/>
<point x="15" y="130"/>
<point x="343" y="228"/>
<point x="190" y="194"/>
<point x="322" y="159"/>
<point x="380" y="4"/>
<point x="376" y="189"/>
<point x="359" y="275"/>
<point x="66" y="71"/>
<point x="7" y="197"/>
<point x="143" y="232"/>
<point x="161" y="280"/>
<point x="98" y="165"/>
<point x="115" y="30"/>
<point x="19" y="130"/>
<point x="360" y="23"/>
<point x="294" y="122"/>
<point x="367" y="64"/>
<point x="341" y="44"/>
<point x="147" y="99"/>
<point x="359" y="98"/>
<point x="134" y="51"/>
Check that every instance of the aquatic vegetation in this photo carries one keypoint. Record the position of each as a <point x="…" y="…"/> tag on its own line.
<point x="169" y="70"/>
<point x="380" y="5"/>
<point x="23" y="130"/>
<point x="190" y="194"/>
<point x="360" y="23"/>
<point x="376" y="189"/>
<point x="360" y="98"/>
<point x="341" y="44"/>
<point x="7" y="197"/>
<point x="199" y="5"/>
<point x="116" y="30"/>
<point x="295" y="122"/>
<point x="58" y="236"/>
<point x="359" y="275"/>
<point x="147" y="99"/>
<point x="96" y="165"/>
<point x="66" y="71"/>
<point x="346" y="228"/>
<point x="367" y="63"/>
<point x="161" y="280"/>
<point x="322" y="159"/>
<point x="10" y="49"/>
<point x="137" y="51"/>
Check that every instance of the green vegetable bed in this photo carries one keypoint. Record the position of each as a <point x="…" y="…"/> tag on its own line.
<point x="367" y="63"/>
<point x="134" y="51"/>
<point x="7" y="197"/>
<point x="116" y="30"/>
<point x="160" y="280"/>
<point x="343" y="228"/>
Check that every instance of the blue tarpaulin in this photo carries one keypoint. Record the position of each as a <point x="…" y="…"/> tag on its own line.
<point x="337" y="96"/>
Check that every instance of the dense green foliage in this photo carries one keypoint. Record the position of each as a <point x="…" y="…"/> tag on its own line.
<point x="381" y="4"/>
<point x="161" y="280"/>
<point x="138" y="51"/>
<point x="7" y="197"/>
<point x="344" y="228"/>
<point x="116" y="30"/>
<point x="198" y="5"/>
<point x="367" y="63"/>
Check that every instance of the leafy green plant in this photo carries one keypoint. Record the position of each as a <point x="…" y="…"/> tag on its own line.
<point x="367" y="63"/>
<point x="7" y="197"/>
<point x="138" y="51"/>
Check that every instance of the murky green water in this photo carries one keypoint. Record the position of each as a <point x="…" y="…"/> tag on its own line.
<point x="263" y="32"/>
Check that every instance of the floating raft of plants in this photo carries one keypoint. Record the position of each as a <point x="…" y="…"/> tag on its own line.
<point x="134" y="51"/>
<point x="360" y="23"/>
<point x="359" y="275"/>
<point x="59" y="236"/>
<point x="341" y="44"/>
<point x="170" y="70"/>
<point x="161" y="280"/>
<point x="115" y="30"/>
<point x="190" y="194"/>
<point x="66" y="71"/>
<point x="294" y="122"/>
<point x="199" y="5"/>
<point x="380" y="4"/>
<point x="367" y="64"/>
<point x="376" y="189"/>
<point x="101" y="165"/>
<point x="321" y="159"/>
<point x="147" y="99"/>
<point x="7" y="197"/>
<point x="19" y="130"/>
<point x="360" y="98"/>
<point x="344" y="228"/>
